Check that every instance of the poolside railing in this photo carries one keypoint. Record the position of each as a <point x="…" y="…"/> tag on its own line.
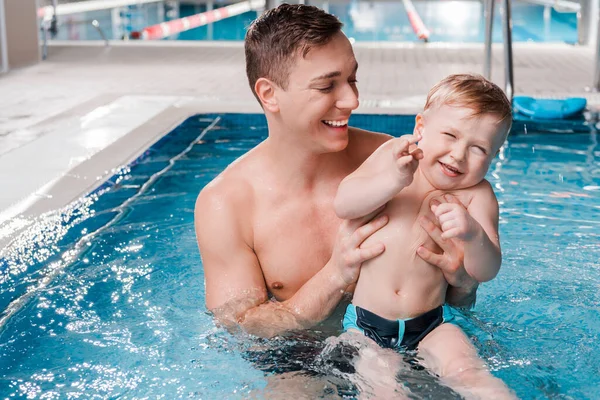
<point x="596" y="82"/>
<point x="3" y="41"/>
<point x="508" y="53"/>
<point x="507" y="37"/>
<point x="489" y="19"/>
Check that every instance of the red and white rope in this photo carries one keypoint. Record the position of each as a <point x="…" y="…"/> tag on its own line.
<point x="162" y="30"/>
<point x="415" y="21"/>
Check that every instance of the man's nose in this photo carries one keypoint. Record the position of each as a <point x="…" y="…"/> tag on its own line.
<point x="348" y="99"/>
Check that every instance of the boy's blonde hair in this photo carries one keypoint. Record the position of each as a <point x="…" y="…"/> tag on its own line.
<point x="472" y="91"/>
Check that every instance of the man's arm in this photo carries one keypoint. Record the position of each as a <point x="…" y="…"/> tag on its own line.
<point x="235" y="287"/>
<point x="462" y="297"/>
<point x="384" y="173"/>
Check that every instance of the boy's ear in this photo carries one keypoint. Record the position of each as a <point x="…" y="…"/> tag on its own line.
<point x="265" y="90"/>
<point x="418" y="125"/>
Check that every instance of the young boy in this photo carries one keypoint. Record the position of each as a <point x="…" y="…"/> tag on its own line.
<point x="399" y="298"/>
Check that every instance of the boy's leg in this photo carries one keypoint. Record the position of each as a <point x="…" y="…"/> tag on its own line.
<point x="448" y="352"/>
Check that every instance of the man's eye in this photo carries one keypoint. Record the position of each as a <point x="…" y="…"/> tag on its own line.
<point x="352" y="81"/>
<point x="326" y="89"/>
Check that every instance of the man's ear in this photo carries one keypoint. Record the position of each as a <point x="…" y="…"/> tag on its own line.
<point x="418" y="131"/>
<point x="265" y="90"/>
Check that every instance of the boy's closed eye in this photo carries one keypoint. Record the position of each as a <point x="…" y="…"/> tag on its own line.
<point x="480" y="150"/>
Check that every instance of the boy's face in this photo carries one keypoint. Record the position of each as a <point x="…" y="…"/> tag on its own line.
<point x="320" y="96"/>
<point x="457" y="146"/>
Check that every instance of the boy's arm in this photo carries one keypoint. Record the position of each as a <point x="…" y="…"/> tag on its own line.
<point x="383" y="174"/>
<point x="483" y="256"/>
<point x="235" y="286"/>
<point x="477" y="229"/>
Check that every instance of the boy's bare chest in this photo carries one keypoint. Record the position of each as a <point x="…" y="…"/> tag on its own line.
<point x="404" y="233"/>
<point x="411" y="206"/>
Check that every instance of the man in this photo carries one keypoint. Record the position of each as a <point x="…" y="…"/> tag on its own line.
<point x="266" y="226"/>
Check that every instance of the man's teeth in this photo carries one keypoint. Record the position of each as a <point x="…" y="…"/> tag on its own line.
<point x="337" y="123"/>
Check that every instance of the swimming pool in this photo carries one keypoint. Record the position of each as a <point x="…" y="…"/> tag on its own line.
<point x="120" y="312"/>
<point x="448" y="21"/>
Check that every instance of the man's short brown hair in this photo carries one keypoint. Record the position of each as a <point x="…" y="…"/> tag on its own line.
<point x="472" y="91"/>
<point x="277" y="37"/>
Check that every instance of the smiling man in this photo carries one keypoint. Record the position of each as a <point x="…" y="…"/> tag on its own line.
<point x="276" y="257"/>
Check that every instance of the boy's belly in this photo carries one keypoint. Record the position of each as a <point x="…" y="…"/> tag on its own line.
<point x="398" y="283"/>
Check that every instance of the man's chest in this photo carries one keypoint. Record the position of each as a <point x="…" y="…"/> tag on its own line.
<point x="293" y="241"/>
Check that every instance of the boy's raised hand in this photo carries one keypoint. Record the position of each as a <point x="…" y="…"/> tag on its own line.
<point x="406" y="156"/>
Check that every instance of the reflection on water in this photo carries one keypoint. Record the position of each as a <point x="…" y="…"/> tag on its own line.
<point x="105" y="298"/>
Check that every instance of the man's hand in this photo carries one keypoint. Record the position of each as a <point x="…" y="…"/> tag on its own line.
<point x="452" y="259"/>
<point x="406" y="157"/>
<point x="462" y="291"/>
<point x="348" y="255"/>
<point x="454" y="219"/>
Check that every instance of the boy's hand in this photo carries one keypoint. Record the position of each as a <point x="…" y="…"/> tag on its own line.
<point x="454" y="219"/>
<point x="406" y="157"/>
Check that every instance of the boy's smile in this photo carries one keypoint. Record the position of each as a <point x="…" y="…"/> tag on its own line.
<point x="449" y="170"/>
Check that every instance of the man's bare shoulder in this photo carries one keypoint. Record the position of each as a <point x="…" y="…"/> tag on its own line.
<point x="232" y="188"/>
<point x="363" y="143"/>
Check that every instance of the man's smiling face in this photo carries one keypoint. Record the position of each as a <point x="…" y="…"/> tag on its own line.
<point x="320" y="96"/>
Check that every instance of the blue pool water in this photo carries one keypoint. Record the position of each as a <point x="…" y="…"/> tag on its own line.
<point x="448" y="21"/>
<point x="105" y="298"/>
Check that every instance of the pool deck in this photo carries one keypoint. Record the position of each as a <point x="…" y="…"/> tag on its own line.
<point x="69" y="122"/>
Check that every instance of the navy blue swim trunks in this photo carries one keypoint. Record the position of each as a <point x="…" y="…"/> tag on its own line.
<point x="401" y="334"/>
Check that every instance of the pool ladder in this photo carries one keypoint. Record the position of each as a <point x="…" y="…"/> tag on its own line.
<point x="582" y="12"/>
<point x="507" y="35"/>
